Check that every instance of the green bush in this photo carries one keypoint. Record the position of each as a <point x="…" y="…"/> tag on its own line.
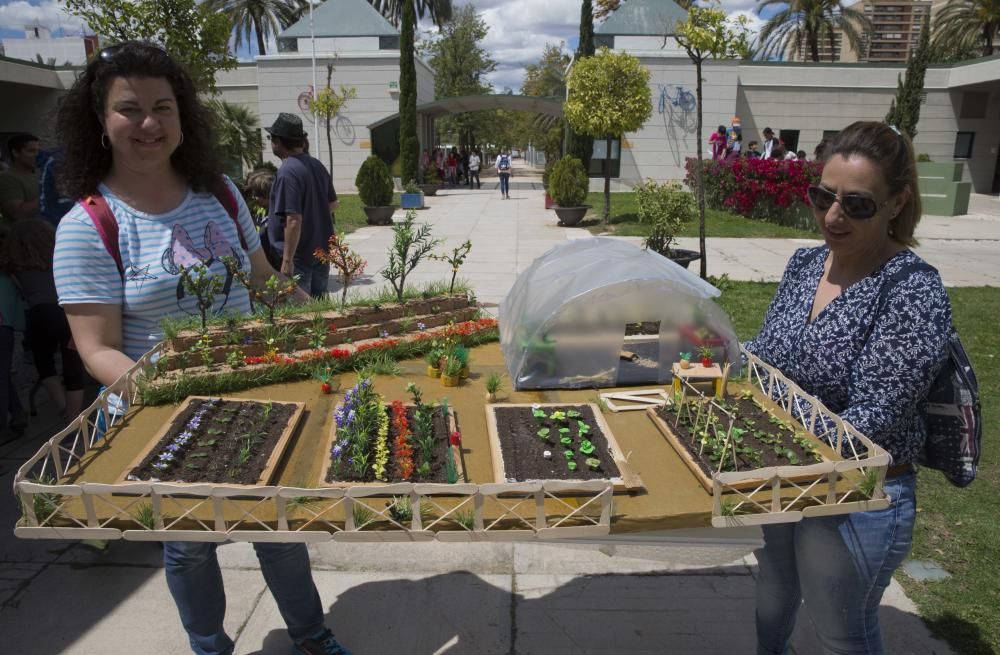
<point x="568" y="182"/>
<point x="923" y="157"/>
<point x="373" y="182"/>
<point x="668" y="207"/>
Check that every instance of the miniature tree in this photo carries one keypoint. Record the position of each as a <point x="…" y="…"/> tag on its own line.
<point x="455" y="260"/>
<point x="409" y="246"/>
<point x="349" y="264"/>
<point x="204" y="286"/>
<point x="274" y="292"/>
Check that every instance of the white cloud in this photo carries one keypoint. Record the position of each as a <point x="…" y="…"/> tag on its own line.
<point x="18" y="14"/>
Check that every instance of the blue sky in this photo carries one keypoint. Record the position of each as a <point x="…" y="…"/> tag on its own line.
<point x="518" y="29"/>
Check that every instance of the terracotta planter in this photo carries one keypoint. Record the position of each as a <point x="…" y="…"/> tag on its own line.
<point x="570" y="216"/>
<point x="549" y="202"/>
<point x="685" y="363"/>
<point x="379" y="215"/>
<point x="433" y="372"/>
<point x="450" y="381"/>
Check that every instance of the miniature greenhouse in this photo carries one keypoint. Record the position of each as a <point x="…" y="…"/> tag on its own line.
<point x="603" y="313"/>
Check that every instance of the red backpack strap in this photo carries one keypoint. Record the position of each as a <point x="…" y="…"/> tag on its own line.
<point x="225" y="196"/>
<point x="107" y="227"/>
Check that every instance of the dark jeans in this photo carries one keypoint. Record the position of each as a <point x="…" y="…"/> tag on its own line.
<point x="49" y="333"/>
<point x="313" y="276"/>
<point x="475" y="175"/>
<point x="505" y="184"/>
<point x="9" y="400"/>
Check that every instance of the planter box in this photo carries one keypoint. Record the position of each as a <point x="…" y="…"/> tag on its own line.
<point x="412" y="200"/>
<point x="570" y="216"/>
<point x="379" y="215"/>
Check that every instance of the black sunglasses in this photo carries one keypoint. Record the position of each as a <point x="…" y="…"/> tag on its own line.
<point x="107" y="55"/>
<point x="853" y="205"/>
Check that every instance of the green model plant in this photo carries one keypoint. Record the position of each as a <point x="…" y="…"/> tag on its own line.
<point x="410" y="244"/>
<point x="204" y="286"/>
<point x="455" y="260"/>
<point x="274" y="293"/>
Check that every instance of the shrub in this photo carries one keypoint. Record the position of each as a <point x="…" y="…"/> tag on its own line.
<point x="411" y="187"/>
<point x="923" y="157"/>
<point x="374" y="183"/>
<point x="765" y="189"/>
<point x="667" y="207"/>
<point x="568" y="182"/>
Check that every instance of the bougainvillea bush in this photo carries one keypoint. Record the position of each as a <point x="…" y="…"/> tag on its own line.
<point x="764" y="189"/>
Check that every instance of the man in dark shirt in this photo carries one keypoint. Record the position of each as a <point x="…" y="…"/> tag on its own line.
<point x="19" y="185"/>
<point x="301" y="206"/>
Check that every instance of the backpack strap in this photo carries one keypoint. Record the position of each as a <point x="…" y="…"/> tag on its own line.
<point x="107" y="225"/>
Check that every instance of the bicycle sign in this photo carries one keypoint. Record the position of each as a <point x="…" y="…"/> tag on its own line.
<point x="683" y="99"/>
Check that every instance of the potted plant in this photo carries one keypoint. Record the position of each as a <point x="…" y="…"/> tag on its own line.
<point x="493" y="384"/>
<point x="549" y="202"/>
<point x="705" y="352"/>
<point x="685" y="360"/>
<point x="375" y="189"/>
<point x="667" y="207"/>
<point x="434" y="362"/>
<point x="451" y="371"/>
<point x="461" y="353"/>
<point x="432" y="181"/>
<point x="568" y="185"/>
<point x="412" y="197"/>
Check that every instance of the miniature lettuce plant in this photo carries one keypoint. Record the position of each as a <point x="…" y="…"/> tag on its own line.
<point x="593" y="463"/>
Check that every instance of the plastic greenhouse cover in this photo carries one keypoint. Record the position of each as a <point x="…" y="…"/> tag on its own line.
<point x="563" y="323"/>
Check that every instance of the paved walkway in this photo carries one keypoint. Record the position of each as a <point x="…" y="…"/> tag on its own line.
<point x="691" y="594"/>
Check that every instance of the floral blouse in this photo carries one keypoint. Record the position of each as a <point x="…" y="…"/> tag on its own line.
<point x="873" y="371"/>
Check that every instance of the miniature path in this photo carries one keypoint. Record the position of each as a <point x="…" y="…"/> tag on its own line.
<point x="507" y="235"/>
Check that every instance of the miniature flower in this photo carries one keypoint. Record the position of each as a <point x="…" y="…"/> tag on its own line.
<point x="456" y="439"/>
<point x="338" y="449"/>
<point x="421" y="326"/>
<point x="383" y="333"/>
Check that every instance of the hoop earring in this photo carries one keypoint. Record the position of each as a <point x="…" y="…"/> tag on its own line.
<point x="181" y="142"/>
<point x="105" y="143"/>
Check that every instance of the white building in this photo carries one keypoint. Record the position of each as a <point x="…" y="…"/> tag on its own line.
<point x="38" y="43"/>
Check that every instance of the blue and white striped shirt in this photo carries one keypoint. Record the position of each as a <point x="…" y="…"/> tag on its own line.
<point x="153" y="248"/>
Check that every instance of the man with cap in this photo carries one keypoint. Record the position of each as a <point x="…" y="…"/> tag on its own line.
<point x="301" y="206"/>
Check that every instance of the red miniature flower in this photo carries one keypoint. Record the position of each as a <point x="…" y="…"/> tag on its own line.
<point x="455" y="439"/>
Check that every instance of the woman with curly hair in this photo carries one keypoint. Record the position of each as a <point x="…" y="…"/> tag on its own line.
<point x="135" y="133"/>
<point x="28" y="253"/>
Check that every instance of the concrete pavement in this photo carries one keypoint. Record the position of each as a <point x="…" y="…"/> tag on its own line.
<point x="686" y="592"/>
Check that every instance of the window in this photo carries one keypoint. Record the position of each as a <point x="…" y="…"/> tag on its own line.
<point x="604" y="40"/>
<point x="974" y="104"/>
<point x="598" y="155"/>
<point x="388" y="42"/>
<point x="963" y="145"/>
<point x="790" y="138"/>
<point x="830" y="135"/>
<point x="288" y="45"/>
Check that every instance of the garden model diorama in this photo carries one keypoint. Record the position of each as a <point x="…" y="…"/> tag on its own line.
<point x="385" y="417"/>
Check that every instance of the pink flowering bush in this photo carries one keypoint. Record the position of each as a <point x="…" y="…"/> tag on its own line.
<point x="765" y="189"/>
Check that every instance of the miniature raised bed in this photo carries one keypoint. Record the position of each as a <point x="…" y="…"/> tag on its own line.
<point x="420" y="442"/>
<point x="230" y="441"/>
<point x="579" y="443"/>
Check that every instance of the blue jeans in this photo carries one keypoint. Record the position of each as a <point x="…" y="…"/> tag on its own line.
<point x="840" y="566"/>
<point x="313" y="277"/>
<point x="504" y="184"/>
<point x="195" y="582"/>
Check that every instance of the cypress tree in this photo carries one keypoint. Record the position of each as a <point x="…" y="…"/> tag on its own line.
<point x="409" y="145"/>
<point x="904" y="112"/>
<point x="578" y="145"/>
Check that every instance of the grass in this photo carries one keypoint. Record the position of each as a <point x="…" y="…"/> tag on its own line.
<point x="625" y="222"/>
<point x="349" y="216"/>
<point x="956" y="528"/>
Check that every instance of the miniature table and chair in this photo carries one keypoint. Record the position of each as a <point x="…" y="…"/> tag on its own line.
<point x="698" y="373"/>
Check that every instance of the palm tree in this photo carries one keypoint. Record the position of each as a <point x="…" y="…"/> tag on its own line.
<point x="968" y="24"/>
<point x="236" y="131"/>
<point x="260" y="17"/>
<point x="800" y="25"/>
<point x="439" y="11"/>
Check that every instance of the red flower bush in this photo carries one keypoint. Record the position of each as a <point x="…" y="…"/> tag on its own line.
<point x="764" y="189"/>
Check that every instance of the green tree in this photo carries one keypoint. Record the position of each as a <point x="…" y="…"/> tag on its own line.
<point x="460" y="65"/>
<point x="706" y="34"/>
<point x="193" y="34"/>
<point x="966" y="24"/>
<point x="546" y="79"/>
<point x="439" y="11"/>
<point x="328" y="103"/>
<point x="799" y="27"/>
<point x="579" y="145"/>
<point x="608" y="96"/>
<point x="237" y="132"/>
<point x="904" y="112"/>
<point x="262" y="18"/>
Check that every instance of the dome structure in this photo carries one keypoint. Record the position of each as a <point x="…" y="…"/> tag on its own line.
<point x="600" y="312"/>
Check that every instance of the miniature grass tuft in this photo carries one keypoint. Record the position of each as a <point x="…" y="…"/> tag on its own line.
<point x="144" y="516"/>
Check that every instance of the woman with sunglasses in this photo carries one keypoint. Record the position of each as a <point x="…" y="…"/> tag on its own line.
<point x="871" y="359"/>
<point x="135" y="133"/>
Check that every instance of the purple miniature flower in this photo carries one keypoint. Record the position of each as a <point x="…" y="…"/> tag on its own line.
<point x="338" y="449"/>
<point x="421" y="326"/>
<point x="383" y="333"/>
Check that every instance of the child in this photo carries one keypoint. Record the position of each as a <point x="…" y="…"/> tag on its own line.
<point x="257" y="191"/>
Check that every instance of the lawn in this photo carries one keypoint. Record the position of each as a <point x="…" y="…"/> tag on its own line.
<point x="350" y="216"/>
<point x="955" y="527"/>
<point x="625" y="222"/>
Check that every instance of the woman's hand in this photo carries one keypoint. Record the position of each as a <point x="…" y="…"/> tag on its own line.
<point x="97" y="335"/>
<point x="261" y="271"/>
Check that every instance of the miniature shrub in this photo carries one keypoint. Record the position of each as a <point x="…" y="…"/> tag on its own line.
<point x="667" y="207"/>
<point x="923" y="157"/>
<point x="568" y="182"/>
<point x="374" y="183"/>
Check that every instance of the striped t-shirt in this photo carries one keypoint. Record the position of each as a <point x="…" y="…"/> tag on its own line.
<point x="153" y="248"/>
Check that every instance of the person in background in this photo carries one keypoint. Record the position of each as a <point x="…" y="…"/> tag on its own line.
<point x="135" y="133"/>
<point x="770" y="143"/>
<point x="475" y="161"/>
<point x="870" y="362"/>
<point x="452" y="164"/>
<point x="28" y="255"/>
<point x="504" y="168"/>
<point x="753" y="152"/>
<point x="717" y="142"/>
<point x="13" y="418"/>
<point x="736" y="148"/>
<point x="790" y="155"/>
<point x="19" y="185"/>
<point x="301" y="206"/>
<point x="819" y="154"/>
<point x="53" y="205"/>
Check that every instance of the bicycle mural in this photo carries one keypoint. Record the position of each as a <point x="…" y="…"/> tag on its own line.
<point x="342" y="126"/>
<point x="683" y="99"/>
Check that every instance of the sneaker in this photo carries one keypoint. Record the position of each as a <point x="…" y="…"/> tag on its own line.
<point x="325" y="645"/>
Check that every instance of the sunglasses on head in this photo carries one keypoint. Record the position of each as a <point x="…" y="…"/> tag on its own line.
<point x="853" y="205"/>
<point x="107" y="55"/>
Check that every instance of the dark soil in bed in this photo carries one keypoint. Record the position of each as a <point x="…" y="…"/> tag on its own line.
<point x="438" y="472"/>
<point x="763" y="435"/>
<point x="523" y="450"/>
<point x="217" y="450"/>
